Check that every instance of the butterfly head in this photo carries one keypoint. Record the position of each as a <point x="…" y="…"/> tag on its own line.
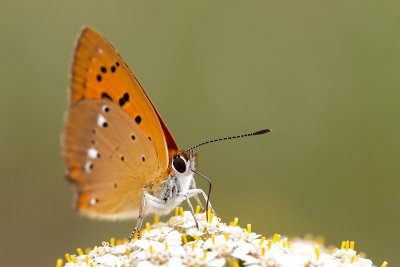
<point x="184" y="162"/>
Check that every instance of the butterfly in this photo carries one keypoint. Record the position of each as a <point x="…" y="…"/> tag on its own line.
<point x="118" y="153"/>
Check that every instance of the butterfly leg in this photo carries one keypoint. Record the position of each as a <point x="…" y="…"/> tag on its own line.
<point x="194" y="192"/>
<point x="151" y="203"/>
<point x="140" y="219"/>
<point x="192" y="211"/>
<point x="196" y="197"/>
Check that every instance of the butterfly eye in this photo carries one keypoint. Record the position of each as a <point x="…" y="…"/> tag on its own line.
<point x="179" y="164"/>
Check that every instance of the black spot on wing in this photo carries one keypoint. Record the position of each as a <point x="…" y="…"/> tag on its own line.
<point x="124" y="99"/>
<point x="106" y="96"/>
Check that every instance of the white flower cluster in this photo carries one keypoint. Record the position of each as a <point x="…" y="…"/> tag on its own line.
<point x="179" y="243"/>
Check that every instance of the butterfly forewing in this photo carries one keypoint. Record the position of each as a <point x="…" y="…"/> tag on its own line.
<point x="107" y="156"/>
<point x="98" y="72"/>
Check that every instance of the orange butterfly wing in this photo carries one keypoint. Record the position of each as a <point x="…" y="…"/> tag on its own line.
<point x="109" y="159"/>
<point x="110" y="186"/>
<point x="98" y="71"/>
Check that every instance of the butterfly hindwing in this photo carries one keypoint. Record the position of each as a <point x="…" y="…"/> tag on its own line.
<point x="107" y="155"/>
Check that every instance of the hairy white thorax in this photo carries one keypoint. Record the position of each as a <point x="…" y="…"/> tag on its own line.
<point x="174" y="188"/>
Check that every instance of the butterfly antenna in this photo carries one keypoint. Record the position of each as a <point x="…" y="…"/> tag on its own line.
<point x="231" y="137"/>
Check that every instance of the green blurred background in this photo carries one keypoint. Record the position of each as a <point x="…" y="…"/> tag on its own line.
<point x="323" y="74"/>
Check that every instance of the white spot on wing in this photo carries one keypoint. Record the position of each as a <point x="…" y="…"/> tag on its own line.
<point x="92" y="153"/>
<point x="100" y="50"/>
<point x="92" y="201"/>
<point x="101" y="120"/>
<point x="104" y="108"/>
<point x="88" y="166"/>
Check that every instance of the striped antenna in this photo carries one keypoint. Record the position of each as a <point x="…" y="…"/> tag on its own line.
<point x="231" y="137"/>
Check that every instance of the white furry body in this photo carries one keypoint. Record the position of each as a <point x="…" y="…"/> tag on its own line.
<point x="172" y="193"/>
<point x="174" y="189"/>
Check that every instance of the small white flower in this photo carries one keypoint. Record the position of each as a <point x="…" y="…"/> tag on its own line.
<point x="175" y="262"/>
<point x="107" y="260"/>
<point x="218" y="262"/>
<point x="174" y="238"/>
